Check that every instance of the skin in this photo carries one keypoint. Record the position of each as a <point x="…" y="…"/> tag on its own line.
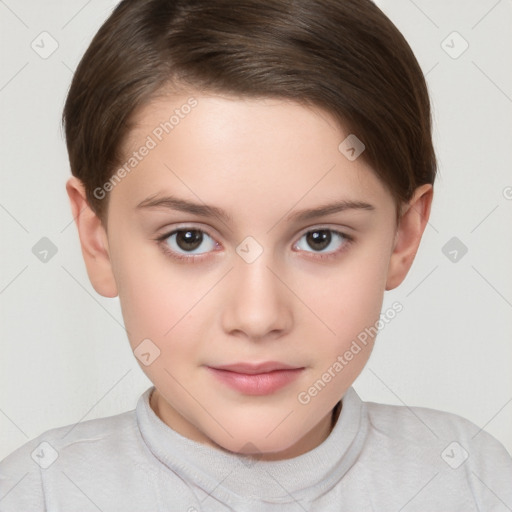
<point x="260" y="160"/>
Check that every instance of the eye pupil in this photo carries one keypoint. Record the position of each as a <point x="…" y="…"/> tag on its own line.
<point x="189" y="239"/>
<point x="319" y="239"/>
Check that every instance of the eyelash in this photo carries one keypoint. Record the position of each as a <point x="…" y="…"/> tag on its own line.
<point x="191" y="258"/>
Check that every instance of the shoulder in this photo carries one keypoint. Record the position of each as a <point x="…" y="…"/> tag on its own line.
<point x="423" y="424"/>
<point x="455" y="452"/>
<point x="24" y="472"/>
<point x="67" y="440"/>
<point x="418" y="421"/>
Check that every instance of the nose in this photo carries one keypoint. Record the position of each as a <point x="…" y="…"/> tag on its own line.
<point x="258" y="304"/>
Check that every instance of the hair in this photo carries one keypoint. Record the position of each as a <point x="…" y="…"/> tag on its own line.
<point x="344" y="56"/>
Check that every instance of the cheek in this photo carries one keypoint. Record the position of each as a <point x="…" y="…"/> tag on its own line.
<point x="153" y="294"/>
<point x="365" y="287"/>
<point x="157" y="323"/>
<point x="159" y="302"/>
<point x="348" y="299"/>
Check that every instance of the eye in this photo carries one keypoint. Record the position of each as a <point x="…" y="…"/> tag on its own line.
<point x="322" y="238"/>
<point x="186" y="243"/>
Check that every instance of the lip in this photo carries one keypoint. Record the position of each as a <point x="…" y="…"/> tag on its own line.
<point x="256" y="378"/>
<point x="255" y="368"/>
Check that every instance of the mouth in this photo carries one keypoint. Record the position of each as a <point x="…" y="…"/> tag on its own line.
<point x="256" y="378"/>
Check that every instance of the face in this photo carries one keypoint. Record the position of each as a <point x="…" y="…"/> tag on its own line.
<point x="243" y="296"/>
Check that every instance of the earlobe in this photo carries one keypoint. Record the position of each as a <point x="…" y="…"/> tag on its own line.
<point x="93" y="240"/>
<point x="408" y="236"/>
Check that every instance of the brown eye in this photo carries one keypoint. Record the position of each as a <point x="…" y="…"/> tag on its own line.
<point x="319" y="239"/>
<point x="189" y="240"/>
<point x="322" y="238"/>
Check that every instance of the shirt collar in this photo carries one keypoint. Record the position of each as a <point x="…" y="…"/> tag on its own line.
<point x="300" y="478"/>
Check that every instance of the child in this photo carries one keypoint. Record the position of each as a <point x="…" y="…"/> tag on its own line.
<point x="292" y="139"/>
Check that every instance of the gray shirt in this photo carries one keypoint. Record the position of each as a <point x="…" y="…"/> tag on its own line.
<point x="377" y="458"/>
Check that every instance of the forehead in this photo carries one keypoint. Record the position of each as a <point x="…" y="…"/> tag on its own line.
<point x="241" y="153"/>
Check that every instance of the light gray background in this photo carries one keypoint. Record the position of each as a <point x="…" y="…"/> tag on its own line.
<point x="64" y="353"/>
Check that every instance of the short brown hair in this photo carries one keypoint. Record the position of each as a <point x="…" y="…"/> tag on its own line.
<point x="344" y="56"/>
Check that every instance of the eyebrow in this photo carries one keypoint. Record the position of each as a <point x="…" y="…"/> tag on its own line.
<point x="204" y="210"/>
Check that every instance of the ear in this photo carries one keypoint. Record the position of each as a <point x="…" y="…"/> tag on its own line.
<point x="410" y="229"/>
<point x="93" y="240"/>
